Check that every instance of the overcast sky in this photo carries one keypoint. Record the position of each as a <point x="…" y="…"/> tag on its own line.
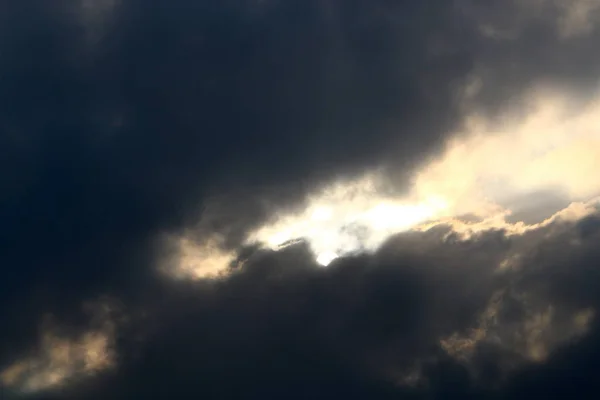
<point x="303" y="199"/>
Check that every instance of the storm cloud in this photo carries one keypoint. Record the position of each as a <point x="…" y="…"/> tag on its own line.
<point x="361" y="199"/>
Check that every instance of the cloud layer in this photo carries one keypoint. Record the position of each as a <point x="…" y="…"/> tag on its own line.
<point x="198" y="163"/>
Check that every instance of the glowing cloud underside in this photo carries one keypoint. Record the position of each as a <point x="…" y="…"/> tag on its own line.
<point x="59" y="359"/>
<point x="489" y="171"/>
<point x="534" y="337"/>
<point x="503" y="175"/>
<point x="348" y="218"/>
<point x="204" y="259"/>
<point x="497" y="173"/>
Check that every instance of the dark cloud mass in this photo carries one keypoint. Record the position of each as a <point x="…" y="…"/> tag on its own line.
<point x="125" y="121"/>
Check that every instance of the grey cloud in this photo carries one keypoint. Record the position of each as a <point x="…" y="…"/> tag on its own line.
<point x="281" y="325"/>
<point x="181" y="104"/>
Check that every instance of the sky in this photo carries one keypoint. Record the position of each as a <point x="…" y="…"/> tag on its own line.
<point x="303" y="199"/>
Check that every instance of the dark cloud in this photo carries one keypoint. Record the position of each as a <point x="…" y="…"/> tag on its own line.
<point x="230" y="110"/>
<point x="282" y="326"/>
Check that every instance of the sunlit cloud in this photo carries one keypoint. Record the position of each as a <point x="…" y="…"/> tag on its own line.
<point x="533" y="336"/>
<point x="552" y="148"/>
<point x="491" y="171"/>
<point x="198" y="258"/>
<point x="530" y="338"/>
<point x="346" y="218"/>
<point x="60" y="358"/>
<point x="465" y="229"/>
